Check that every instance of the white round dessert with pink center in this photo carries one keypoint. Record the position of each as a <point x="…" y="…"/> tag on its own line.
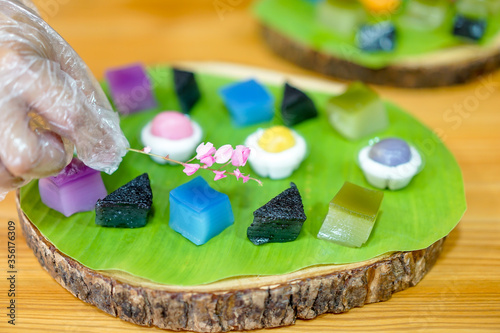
<point x="172" y="133"/>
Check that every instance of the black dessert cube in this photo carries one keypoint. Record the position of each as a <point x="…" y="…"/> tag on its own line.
<point x="280" y="220"/>
<point x="296" y="106"/>
<point x="128" y="206"/>
<point x="186" y="88"/>
<point x="469" y="28"/>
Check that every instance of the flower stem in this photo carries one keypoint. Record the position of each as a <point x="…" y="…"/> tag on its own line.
<point x="166" y="158"/>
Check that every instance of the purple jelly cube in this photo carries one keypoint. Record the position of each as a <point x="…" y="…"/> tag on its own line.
<point x="130" y="88"/>
<point x="248" y="102"/>
<point x="199" y="212"/>
<point x="75" y="189"/>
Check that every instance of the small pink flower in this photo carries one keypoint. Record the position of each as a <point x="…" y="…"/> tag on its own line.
<point x="240" y="155"/>
<point x="190" y="169"/>
<point x="223" y="154"/>
<point x="208" y="155"/>
<point x="204" y="150"/>
<point x="208" y="161"/>
<point x="238" y="174"/>
<point x="219" y="174"/>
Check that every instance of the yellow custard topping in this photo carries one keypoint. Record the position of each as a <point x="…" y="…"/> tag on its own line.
<point x="276" y="139"/>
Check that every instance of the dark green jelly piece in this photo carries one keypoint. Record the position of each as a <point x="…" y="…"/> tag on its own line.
<point x="280" y="220"/>
<point x="469" y="28"/>
<point x="296" y="106"/>
<point x="187" y="89"/>
<point x="128" y="206"/>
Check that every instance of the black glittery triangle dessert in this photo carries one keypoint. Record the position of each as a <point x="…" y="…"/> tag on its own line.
<point x="296" y="106"/>
<point x="186" y="88"/>
<point x="128" y="206"/>
<point x="280" y="220"/>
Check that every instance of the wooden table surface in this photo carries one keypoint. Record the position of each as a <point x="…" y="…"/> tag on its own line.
<point x="462" y="292"/>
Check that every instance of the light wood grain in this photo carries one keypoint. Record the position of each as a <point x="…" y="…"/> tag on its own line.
<point x="462" y="292"/>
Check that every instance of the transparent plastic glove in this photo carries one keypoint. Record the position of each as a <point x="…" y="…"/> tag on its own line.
<point x="49" y="103"/>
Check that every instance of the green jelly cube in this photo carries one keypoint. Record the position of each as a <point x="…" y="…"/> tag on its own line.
<point x="476" y="9"/>
<point x="342" y="17"/>
<point x="351" y="215"/>
<point x="358" y="112"/>
<point x="425" y="14"/>
<point x="493" y="6"/>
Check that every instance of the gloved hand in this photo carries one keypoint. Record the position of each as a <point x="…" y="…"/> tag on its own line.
<point x="49" y="103"/>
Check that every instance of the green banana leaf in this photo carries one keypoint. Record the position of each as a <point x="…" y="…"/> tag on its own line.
<point x="410" y="219"/>
<point x="297" y="19"/>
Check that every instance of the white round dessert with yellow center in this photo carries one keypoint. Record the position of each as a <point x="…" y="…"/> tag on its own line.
<point x="276" y="152"/>
<point x="172" y="133"/>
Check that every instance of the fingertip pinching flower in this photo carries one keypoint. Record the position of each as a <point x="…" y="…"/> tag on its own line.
<point x="207" y="154"/>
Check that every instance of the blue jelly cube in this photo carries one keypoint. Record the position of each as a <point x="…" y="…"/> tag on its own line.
<point x="131" y="89"/>
<point x="199" y="212"/>
<point x="248" y="102"/>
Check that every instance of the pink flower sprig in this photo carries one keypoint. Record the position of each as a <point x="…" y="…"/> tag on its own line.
<point x="208" y="155"/>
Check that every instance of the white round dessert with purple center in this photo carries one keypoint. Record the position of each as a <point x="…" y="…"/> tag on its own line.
<point x="390" y="163"/>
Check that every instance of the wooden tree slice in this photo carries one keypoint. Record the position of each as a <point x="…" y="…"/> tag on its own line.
<point x="448" y="67"/>
<point x="243" y="303"/>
